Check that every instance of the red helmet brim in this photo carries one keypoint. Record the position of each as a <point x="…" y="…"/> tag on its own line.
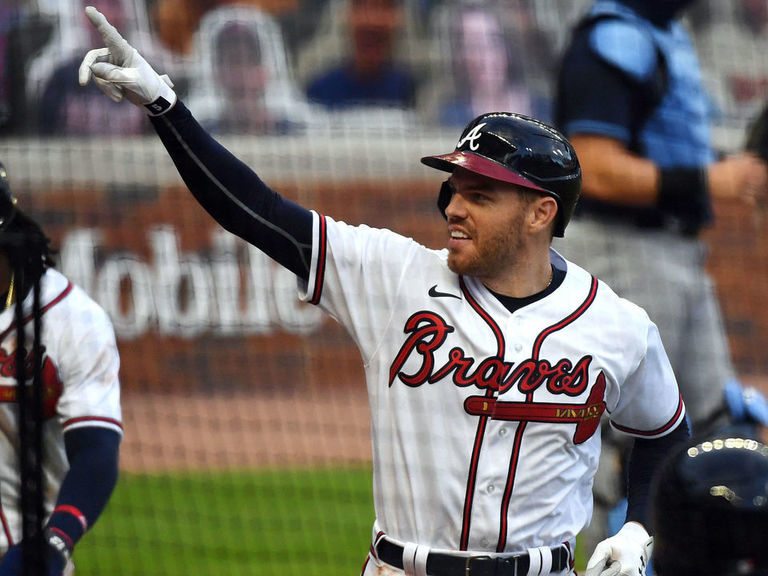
<point x="479" y="165"/>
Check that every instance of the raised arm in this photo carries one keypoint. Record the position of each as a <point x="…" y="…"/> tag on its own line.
<point x="224" y="186"/>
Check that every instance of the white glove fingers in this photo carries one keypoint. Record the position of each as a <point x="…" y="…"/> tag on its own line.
<point x="109" y="88"/>
<point x="599" y="559"/>
<point x="612" y="570"/>
<point x="97" y="55"/>
<point x="121" y="72"/>
<point x="625" y="554"/>
<point x="108" y="71"/>
<point x="111" y="78"/>
<point x="118" y="45"/>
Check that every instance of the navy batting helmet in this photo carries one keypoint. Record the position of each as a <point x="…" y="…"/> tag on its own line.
<point x="710" y="509"/>
<point x="7" y="201"/>
<point x="520" y="150"/>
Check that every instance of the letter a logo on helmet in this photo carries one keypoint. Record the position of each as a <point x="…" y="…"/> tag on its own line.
<point x="520" y="150"/>
<point x="471" y="137"/>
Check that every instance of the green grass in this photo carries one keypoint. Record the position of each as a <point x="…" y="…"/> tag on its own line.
<point x="279" y="522"/>
<point x="292" y="522"/>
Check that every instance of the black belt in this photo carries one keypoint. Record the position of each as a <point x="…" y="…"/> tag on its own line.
<point x="453" y="565"/>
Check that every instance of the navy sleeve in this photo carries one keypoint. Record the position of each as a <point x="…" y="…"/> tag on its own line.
<point x="93" y="454"/>
<point x="594" y="97"/>
<point x="645" y="458"/>
<point x="234" y="195"/>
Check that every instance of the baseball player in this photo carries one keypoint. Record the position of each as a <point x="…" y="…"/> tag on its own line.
<point x="82" y="427"/>
<point x="488" y="363"/>
<point x="710" y="508"/>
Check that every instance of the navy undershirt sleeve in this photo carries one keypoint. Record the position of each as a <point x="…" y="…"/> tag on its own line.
<point x="93" y="454"/>
<point x="645" y="458"/>
<point x="608" y="97"/>
<point x="234" y="195"/>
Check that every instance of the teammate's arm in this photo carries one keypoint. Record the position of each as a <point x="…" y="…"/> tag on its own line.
<point x="228" y="189"/>
<point x="92" y="453"/>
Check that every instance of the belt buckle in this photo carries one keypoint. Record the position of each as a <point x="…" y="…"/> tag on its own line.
<point x="469" y="559"/>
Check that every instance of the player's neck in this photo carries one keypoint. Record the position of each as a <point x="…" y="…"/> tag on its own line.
<point x="523" y="280"/>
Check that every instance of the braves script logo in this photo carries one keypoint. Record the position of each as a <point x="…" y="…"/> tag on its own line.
<point x="427" y="332"/>
<point x="472" y="137"/>
<point x="52" y="385"/>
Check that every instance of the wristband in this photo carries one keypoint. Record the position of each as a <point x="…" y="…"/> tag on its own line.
<point x="69" y="523"/>
<point x="164" y="101"/>
<point x="684" y="194"/>
<point x="681" y="185"/>
<point x="60" y="542"/>
<point x="158" y="107"/>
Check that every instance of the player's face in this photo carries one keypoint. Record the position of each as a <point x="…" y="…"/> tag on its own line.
<point x="486" y="221"/>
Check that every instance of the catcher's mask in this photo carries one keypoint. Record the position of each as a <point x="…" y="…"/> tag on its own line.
<point x="710" y="509"/>
<point x="520" y="150"/>
<point x="7" y="201"/>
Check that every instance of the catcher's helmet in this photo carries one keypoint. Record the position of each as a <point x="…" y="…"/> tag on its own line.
<point x="710" y="509"/>
<point x="7" y="201"/>
<point x="520" y="150"/>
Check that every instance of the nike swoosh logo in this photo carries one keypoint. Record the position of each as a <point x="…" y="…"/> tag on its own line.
<point x="436" y="294"/>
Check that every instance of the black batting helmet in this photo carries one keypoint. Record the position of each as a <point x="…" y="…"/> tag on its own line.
<point x="7" y="201"/>
<point x="520" y="150"/>
<point x="710" y="509"/>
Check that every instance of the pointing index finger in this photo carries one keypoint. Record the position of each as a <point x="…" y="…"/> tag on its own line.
<point x="118" y="46"/>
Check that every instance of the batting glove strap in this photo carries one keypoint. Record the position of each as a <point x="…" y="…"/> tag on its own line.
<point x="625" y="554"/>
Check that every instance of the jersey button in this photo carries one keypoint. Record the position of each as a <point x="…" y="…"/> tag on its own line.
<point x="503" y="432"/>
<point x="518" y="347"/>
<point x="491" y="488"/>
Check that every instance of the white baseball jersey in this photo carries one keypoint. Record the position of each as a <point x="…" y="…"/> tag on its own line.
<point x="80" y="365"/>
<point x="485" y="422"/>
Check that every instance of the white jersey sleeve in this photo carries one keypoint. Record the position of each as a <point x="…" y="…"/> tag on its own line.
<point x="648" y="406"/>
<point x="80" y="360"/>
<point x="365" y="269"/>
<point x="88" y="364"/>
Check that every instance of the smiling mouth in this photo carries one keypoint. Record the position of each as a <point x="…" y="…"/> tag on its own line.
<point x="459" y="235"/>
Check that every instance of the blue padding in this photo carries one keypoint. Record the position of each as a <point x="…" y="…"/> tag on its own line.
<point x="625" y="46"/>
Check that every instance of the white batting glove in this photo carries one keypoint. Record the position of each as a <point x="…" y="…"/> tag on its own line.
<point x="120" y="71"/>
<point x="625" y="554"/>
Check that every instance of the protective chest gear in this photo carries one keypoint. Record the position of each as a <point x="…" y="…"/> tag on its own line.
<point x="676" y="131"/>
<point x="520" y="150"/>
<point x="711" y="509"/>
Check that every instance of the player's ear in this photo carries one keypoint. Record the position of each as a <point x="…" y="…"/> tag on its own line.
<point x="542" y="212"/>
